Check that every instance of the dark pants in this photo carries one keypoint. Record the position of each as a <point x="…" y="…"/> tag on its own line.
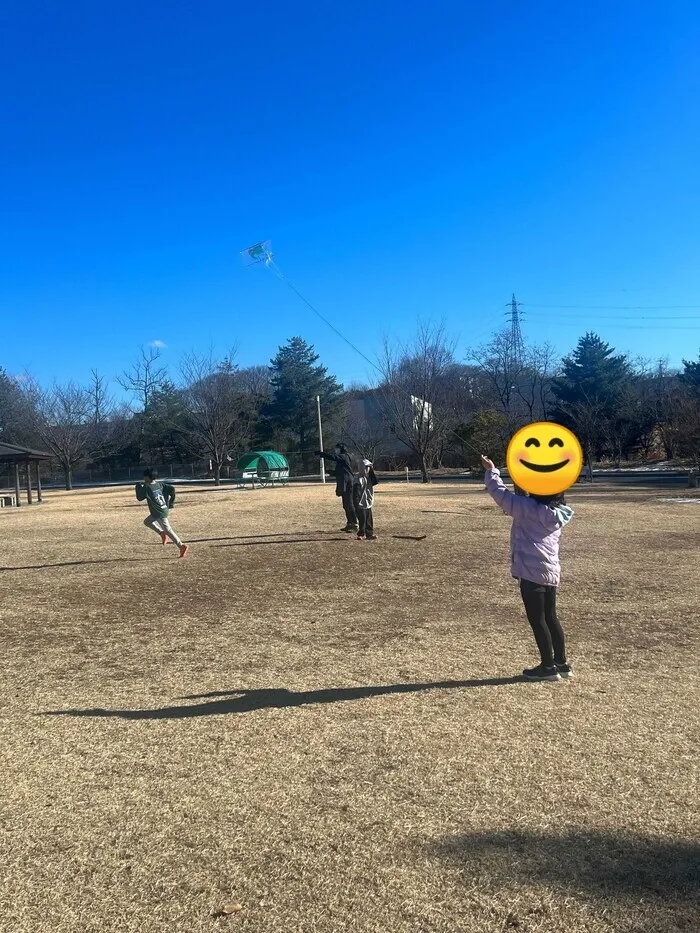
<point x="541" y="608"/>
<point x="349" y="506"/>
<point x="366" y="521"/>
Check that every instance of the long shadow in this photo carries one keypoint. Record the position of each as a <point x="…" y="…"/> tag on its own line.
<point x="296" y="541"/>
<point x="280" y="534"/>
<point x="607" y="864"/>
<point x="410" y="537"/>
<point x="247" y="701"/>
<point x="440" y="512"/>
<point x="80" y="563"/>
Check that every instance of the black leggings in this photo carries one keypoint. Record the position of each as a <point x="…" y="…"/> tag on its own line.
<point x="541" y="608"/>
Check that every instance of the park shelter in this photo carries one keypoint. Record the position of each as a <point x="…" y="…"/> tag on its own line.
<point x="263" y="463"/>
<point x="15" y="456"/>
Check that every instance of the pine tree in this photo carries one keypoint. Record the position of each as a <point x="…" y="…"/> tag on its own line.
<point x="690" y="376"/>
<point x="688" y="409"/>
<point x="588" y="392"/>
<point x="296" y="379"/>
<point x="18" y="415"/>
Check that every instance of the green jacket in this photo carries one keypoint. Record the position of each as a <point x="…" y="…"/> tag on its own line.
<point x="160" y="497"/>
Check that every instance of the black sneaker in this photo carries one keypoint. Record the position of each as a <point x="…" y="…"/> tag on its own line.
<point x="542" y="673"/>
<point x="351" y="528"/>
<point x="565" y="671"/>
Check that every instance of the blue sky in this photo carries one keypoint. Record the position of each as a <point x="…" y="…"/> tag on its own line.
<point x="406" y="159"/>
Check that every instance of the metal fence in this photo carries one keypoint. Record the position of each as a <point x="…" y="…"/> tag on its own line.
<point x="197" y="471"/>
<point x="51" y="475"/>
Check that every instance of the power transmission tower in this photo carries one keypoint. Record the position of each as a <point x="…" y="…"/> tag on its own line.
<point x="516" y="334"/>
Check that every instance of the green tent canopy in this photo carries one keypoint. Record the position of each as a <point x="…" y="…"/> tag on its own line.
<point x="262" y="460"/>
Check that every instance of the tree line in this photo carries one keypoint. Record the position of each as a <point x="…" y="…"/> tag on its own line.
<point x="426" y="407"/>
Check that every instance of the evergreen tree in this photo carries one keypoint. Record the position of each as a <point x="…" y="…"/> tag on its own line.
<point x="589" y="391"/>
<point x="690" y="376"/>
<point x="688" y="408"/>
<point x="18" y="414"/>
<point x="296" y="379"/>
<point x="163" y="424"/>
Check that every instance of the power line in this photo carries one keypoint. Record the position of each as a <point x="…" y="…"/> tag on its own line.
<point x="616" y="326"/>
<point x="616" y="307"/>
<point x="540" y="316"/>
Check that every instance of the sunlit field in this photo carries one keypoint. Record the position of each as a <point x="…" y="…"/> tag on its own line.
<point x="291" y="730"/>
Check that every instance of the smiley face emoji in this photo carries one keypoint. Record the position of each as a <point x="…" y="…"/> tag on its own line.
<point x="544" y="458"/>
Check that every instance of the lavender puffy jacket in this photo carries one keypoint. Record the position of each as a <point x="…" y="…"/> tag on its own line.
<point x="534" y="536"/>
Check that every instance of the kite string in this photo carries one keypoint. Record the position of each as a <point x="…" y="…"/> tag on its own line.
<point x="275" y="268"/>
<point x="272" y="265"/>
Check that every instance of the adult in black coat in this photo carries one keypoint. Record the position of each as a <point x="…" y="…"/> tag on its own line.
<point x="344" y="479"/>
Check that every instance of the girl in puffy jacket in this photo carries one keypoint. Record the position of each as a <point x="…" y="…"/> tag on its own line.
<point x="363" y="498"/>
<point x="534" y="542"/>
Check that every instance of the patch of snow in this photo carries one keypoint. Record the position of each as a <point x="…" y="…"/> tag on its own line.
<point x="680" y="500"/>
<point x="658" y="467"/>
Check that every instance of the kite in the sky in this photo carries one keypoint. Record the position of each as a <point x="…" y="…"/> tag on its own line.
<point x="259" y="252"/>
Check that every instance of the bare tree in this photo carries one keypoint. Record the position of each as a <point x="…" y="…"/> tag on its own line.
<point x="219" y="413"/>
<point x="144" y="377"/>
<point x="366" y="435"/>
<point x="100" y="400"/>
<point x="413" y="394"/>
<point x="65" y="425"/>
<point x="143" y="380"/>
<point x="689" y="434"/>
<point x="255" y="380"/>
<point x="533" y="383"/>
<point x="501" y="369"/>
<point x="666" y="390"/>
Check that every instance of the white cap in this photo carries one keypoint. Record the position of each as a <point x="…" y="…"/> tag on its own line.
<point x="366" y="463"/>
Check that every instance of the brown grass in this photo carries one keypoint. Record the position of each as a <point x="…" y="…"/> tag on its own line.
<point x="328" y="732"/>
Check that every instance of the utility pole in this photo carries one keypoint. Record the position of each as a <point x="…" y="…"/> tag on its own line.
<point x="516" y="334"/>
<point x="320" y="438"/>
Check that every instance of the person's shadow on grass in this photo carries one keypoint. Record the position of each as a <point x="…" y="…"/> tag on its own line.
<point x="247" y="701"/>
<point x="653" y="874"/>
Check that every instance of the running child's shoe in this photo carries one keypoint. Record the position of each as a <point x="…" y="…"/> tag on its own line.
<point x="163" y="538"/>
<point x="183" y="550"/>
<point x="542" y="673"/>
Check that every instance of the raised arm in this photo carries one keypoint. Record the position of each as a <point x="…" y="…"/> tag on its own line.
<point x="516" y="506"/>
<point x="505" y="499"/>
<point x="502" y="496"/>
<point x="322" y="453"/>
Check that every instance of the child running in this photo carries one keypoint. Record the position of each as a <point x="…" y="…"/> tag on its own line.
<point x="534" y="541"/>
<point x="161" y="498"/>
<point x="363" y="499"/>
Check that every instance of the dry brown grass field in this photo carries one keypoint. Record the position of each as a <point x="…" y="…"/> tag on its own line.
<point x="330" y="734"/>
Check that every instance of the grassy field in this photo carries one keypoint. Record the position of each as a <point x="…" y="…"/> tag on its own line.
<point x="330" y="734"/>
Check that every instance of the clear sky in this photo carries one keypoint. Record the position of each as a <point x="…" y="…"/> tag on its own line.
<point x="407" y="159"/>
